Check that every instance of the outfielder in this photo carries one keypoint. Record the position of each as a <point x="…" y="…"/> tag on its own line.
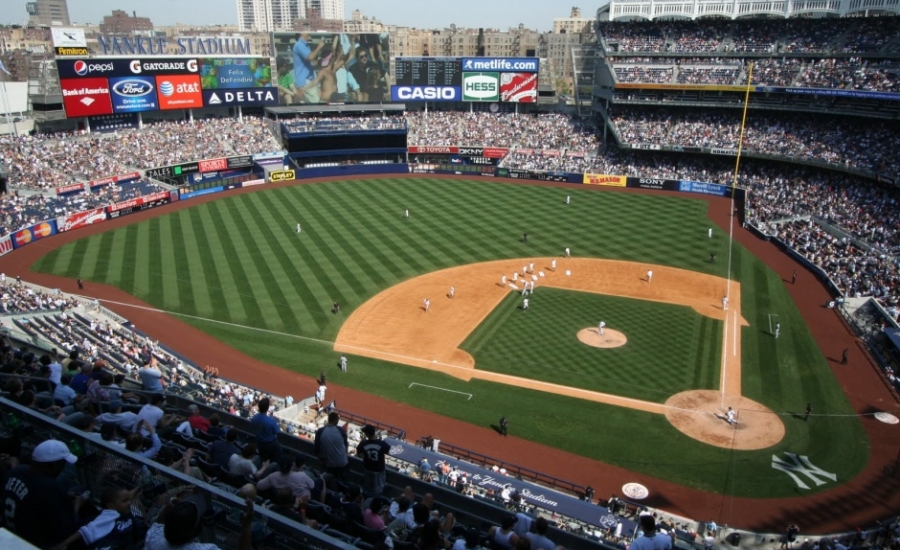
<point x="343" y="363"/>
<point x="568" y="254"/>
<point x="553" y="264"/>
<point x="503" y="280"/>
<point x="298" y="228"/>
<point x="406" y="213"/>
<point x="777" y="330"/>
<point x="452" y="292"/>
<point x="568" y="199"/>
<point x="710" y="232"/>
<point x="525" y="304"/>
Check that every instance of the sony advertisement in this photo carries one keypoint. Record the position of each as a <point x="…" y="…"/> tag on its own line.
<point x="332" y="67"/>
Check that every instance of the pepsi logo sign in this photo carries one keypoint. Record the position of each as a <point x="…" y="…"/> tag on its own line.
<point x="132" y="88"/>
<point x="82" y="68"/>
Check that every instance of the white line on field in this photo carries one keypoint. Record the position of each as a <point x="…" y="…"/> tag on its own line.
<point x="439" y="388"/>
<point x="734" y="340"/>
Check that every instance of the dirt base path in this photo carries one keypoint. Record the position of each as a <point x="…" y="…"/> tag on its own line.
<point x="396" y="326"/>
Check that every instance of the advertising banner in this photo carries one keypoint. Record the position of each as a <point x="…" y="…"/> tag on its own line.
<point x="603" y="179"/>
<point x="235" y="72"/>
<point x="131" y="94"/>
<point x="323" y="67"/>
<point x="244" y="161"/>
<point x="426" y="93"/>
<point x="481" y="86"/>
<point x="86" y="97"/>
<point x="69" y="41"/>
<point x="429" y="150"/>
<point x="653" y="183"/>
<point x="698" y="87"/>
<point x="704" y="188"/>
<point x="69" y="189"/>
<point x="124" y="66"/>
<point x="114" y="122"/>
<point x="81" y="219"/>
<point x="179" y="92"/>
<point x="518" y="87"/>
<point x="240" y="96"/>
<point x="729" y="152"/>
<point x="122" y="178"/>
<point x="137" y="204"/>
<point x="212" y="165"/>
<point x="6" y="245"/>
<point x="208" y="191"/>
<point x="34" y="233"/>
<point x="501" y="64"/>
<point x="282" y="175"/>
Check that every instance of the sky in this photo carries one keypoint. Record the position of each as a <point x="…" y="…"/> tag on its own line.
<point x="499" y="14"/>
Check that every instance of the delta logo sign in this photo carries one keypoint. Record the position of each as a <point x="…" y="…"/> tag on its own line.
<point x="481" y="86"/>
<point x="179" y="92"/>
<point x="86" y="97"/>
<point x="133" y="94"/>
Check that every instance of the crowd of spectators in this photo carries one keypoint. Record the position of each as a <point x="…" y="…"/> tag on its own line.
<point x="842" y="142"/>
<point x="770" y="36"/>
<point x="544" y="131"/>
<point x="723" y="74"/>
<point x="49" y="161"/>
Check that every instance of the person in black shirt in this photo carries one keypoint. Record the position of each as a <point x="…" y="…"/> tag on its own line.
<point x="372" y="451"/>
<point x="36" y="506"/>
<point x="220" y="451"/>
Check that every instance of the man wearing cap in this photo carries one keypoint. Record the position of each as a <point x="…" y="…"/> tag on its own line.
<point x="37" y="507"/>
<point x="373" y="450"/>
<point x="651" y="540"/>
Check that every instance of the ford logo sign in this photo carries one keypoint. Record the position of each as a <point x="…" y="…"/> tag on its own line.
<point x="132" y="88"/>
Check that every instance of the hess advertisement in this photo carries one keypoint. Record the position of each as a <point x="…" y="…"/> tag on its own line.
<point x="332" y="67"/>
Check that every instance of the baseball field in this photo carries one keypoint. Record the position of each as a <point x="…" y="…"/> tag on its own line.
<point x="237" y="269"/>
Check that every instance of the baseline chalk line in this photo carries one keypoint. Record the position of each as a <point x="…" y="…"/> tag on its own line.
<point x="442" y="389"/>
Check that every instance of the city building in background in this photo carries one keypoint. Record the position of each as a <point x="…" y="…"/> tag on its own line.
<point x="325" y="9"/>
<point x="48" y="13"/>
<point x="270" y="15"/>
<point x="122" y="23"/>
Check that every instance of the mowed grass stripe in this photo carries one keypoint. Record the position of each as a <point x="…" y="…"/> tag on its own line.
<point x="116" y="261"/>
<point x="102" y="267"/>
<point x="238" y="262"/>
<point x="147" y="280"/>
<point x="274" y="256"/>
<point x="90" y="256"/>
<point x="176" y="279"/>
<point x="221" y="283"/>
<point x="351" y="230"/>
<point x="349" y="264"/>
<point x="251" y="239"/>
<point x="198" y="265"/>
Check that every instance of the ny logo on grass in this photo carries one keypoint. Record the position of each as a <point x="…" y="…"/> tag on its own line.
<point x="801" y="465"/>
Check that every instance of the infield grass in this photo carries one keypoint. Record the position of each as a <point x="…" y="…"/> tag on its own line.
<point x="238" y="260"/>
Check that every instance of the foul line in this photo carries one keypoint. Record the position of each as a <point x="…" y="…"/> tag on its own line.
<point x="439" y="388"/>
<point x="771" y="328"/>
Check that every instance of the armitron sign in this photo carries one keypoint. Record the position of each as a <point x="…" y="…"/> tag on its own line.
<point x="283" y="175"/>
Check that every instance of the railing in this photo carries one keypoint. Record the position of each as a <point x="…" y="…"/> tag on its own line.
<point x="514" y="470"/>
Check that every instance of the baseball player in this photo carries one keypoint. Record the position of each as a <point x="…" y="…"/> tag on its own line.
<point x="725" y="303"/>
<point x="524" y="269"/>
<point x="298" y="228"/>
<point x="343" y="363"/>
<point x="531" y="267"/>
<point x="452" y="292"/>
<point x="649" y="275"/>
<point x="524" y="288"/>
<point x="600" y="326"/>
<point x="710" y="232"/>
<point x="777" y="330"/>
<point x="503" y="280"/>
<point x="553" y="264"/>
<point x="406" y="213"/>
<point x="525" y="304"/>
<point x="729" y="416"/>
<point x="568" y="254"/>
<point x="515" y="276"/>
<point x="427" y="304"/>
<point x="568" y="199"/>
<point x="532" y="287"/>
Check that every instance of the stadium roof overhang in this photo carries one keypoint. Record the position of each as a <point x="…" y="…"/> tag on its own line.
<point x="291" y="110"/>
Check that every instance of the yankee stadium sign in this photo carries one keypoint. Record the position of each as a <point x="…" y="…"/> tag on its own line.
<point x="180" y="45"/>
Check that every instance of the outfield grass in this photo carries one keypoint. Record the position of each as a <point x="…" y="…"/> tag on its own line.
<point x="239" y="260"/>
<point x="670" y="348"/>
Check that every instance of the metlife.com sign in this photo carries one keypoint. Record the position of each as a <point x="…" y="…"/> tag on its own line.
<point x="501" y="64"/>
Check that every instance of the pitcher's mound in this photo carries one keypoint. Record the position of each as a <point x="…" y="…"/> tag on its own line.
<point x="699" y="414"/>
<point x="610" y="338"/>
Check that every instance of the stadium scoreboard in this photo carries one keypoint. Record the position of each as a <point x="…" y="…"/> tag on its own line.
<point x="428" y="71"/>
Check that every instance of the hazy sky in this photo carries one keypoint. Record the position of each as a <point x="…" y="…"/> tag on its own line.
<point x="499" y="14"/>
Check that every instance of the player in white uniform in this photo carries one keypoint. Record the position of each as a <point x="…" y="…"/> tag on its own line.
<point x="452" y="292"/>
<point x="343" y="363"/>
<point x="649" y="275"/>
<point x="710" y="232"/>
<point x="406" y="213"/>
<point x="600" y="326"/>
<point x="515" y="276"/>
<point x="568" y="254"/>
<point x="503" y="280"/>
<point x="427" y="304"/>
<point x="531" y="267"/>
<point x="298" y="228"/>
<point x="777" y="330"/>
<point x="730" y="416"/>
<point x="568" y="199"/>
<point x="525" y="304"/>
<point x="725" y="303"/>
<point x="553" y="264"/>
